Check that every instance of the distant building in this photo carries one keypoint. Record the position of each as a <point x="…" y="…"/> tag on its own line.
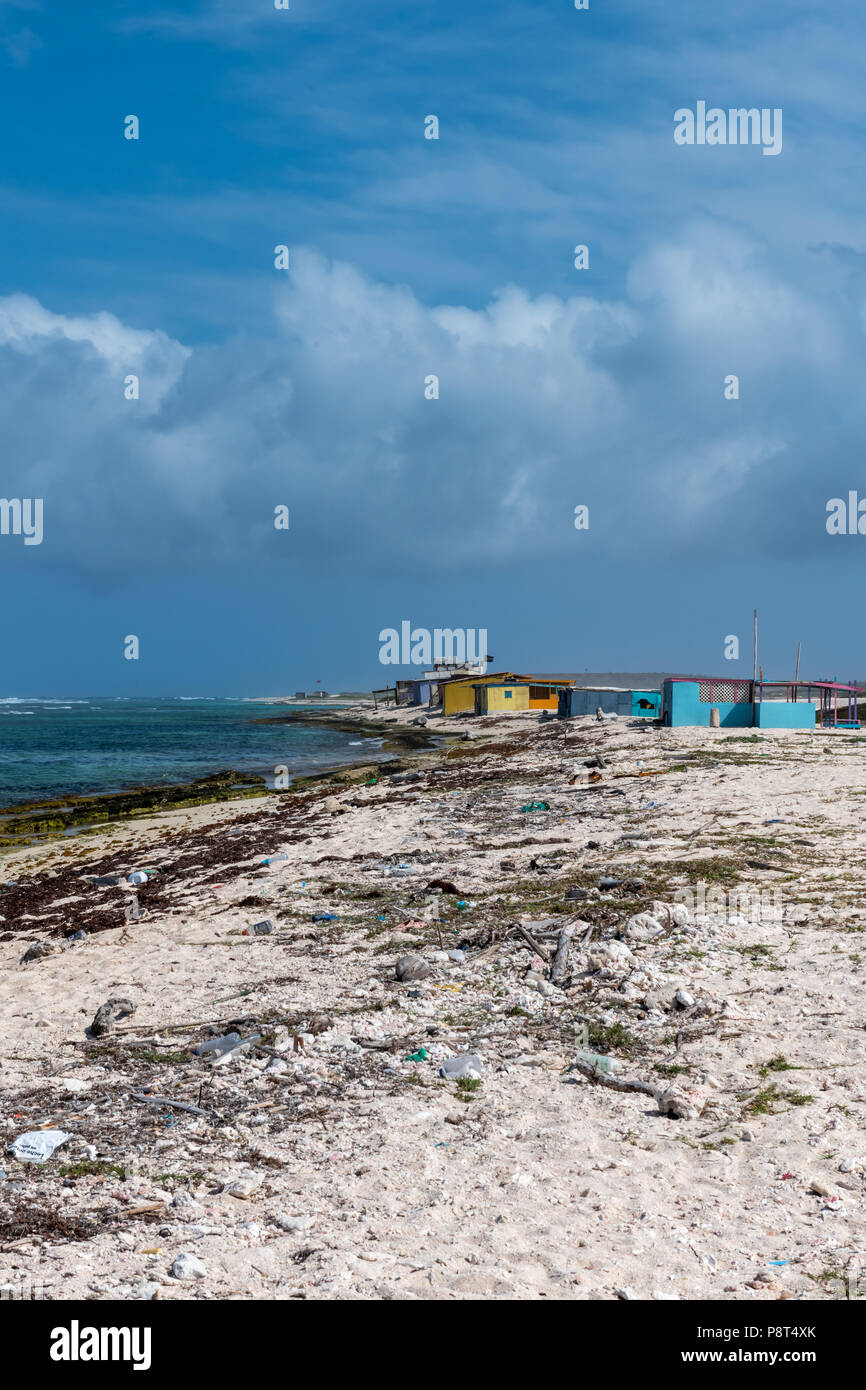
<point x="588" y="699"/>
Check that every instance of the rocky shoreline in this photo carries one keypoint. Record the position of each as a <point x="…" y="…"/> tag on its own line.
<point x="28" y="823"/>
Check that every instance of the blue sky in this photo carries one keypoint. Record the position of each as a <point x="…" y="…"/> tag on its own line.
<point x="412" y="257"/>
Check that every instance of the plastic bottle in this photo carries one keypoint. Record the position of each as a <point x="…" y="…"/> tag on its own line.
<point x="594" y="1059"/>
<point x="218" y="1045"/>
<point x="260" y="929"/>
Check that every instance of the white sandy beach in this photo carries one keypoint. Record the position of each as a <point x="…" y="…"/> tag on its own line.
<point x="345" y="1170"/>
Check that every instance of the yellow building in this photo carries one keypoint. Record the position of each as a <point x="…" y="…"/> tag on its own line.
<point x="506" y="697"/>
<point x="544" y="696"/>
<point x="459" y="695"/>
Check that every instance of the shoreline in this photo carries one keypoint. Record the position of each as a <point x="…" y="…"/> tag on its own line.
<point x="27" y="824"/>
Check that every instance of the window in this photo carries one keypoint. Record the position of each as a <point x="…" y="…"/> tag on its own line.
<point x="508" y="694"/>
<point x="539" y="692"/>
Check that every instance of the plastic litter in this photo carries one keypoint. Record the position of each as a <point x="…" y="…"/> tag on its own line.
<point x="534" y="806"/>
<point x="138" y="876"/>
<point x="77" y="936"/>
<point x="260" y="929"/>
<point x="594" y="1059"/>
<point x="325" y="917"/>
<point x="243" y="1046"/>
<point x="419" y="1056"/>
<point x="275" y="859"/>
<point x="609" y="882"/>
<point x="37" y="1145"/>
<point x="468" y="1064"/>
<point x="223" y="1044"/>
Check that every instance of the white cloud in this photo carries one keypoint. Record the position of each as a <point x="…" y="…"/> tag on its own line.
<point x="544" y="402"/>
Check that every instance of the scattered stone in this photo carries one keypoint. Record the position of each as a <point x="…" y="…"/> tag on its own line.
<point x="108" y="1015"/>
<point x="293" y="1224"/>
<point x="681" y="1102"/>
<point x="409" y="968"/>
<point x="38" y="951"/>
<point x="187" y="1267"/>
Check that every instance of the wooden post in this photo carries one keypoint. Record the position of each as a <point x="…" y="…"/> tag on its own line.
<point x="797" y="676"/>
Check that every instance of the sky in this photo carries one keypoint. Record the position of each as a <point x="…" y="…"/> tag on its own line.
<point x="307" y="387"/>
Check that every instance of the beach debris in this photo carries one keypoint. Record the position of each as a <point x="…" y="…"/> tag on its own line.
<point x="38" y="951"/>
<point x="534" y="806"/>
<point x="104" y="880"/>
<point x="139" y="876"/>
<point x="605" y="884"/>
<point x="166" y="1100"/>
<point x="37" y="1145"/>
<point x="600" y="1062"/>
<point x="325" y="917"/>
<point x="412" y="967"/>
<point x="187" y="1266"/>
<point x="230" y="1054"/>
<point x="442" y="885"/>
<point x="275" y="859"/>
<point x="468" y="1064"/>
<point x="530" y="940"/>
<point x="223" y="1044"/>
<point x="577" y="894"/>
<point x="79" y="935"/>
<point x="419" y="1056"/>
<point x="108" y="1015"/>
<point x="560" y="959"/>
<point x="260" y="928"/>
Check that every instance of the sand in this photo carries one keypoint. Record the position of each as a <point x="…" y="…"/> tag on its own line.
<point x="346" y="1171"/>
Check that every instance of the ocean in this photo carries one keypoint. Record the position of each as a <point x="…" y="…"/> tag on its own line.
<point x="56" y="748"/>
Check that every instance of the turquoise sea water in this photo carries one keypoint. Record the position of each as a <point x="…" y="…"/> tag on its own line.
<point x="52" y="748"/>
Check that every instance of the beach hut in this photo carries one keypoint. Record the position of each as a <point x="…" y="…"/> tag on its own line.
<point x="759" y="704"/>
<point x="421" y="693"/>
<point x="543" y="694"/>
<point x="458" y="696"/>
<point x="633" y="704"/>
<point x="506" y="697"/>
<point x="687" y="702"/>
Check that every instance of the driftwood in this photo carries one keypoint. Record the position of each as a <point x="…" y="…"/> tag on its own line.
<point x="530" y="941"/>
<point x="560" y="959"/>
<point x="173" y="1104"/>
<point x="616" y="1083"/>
